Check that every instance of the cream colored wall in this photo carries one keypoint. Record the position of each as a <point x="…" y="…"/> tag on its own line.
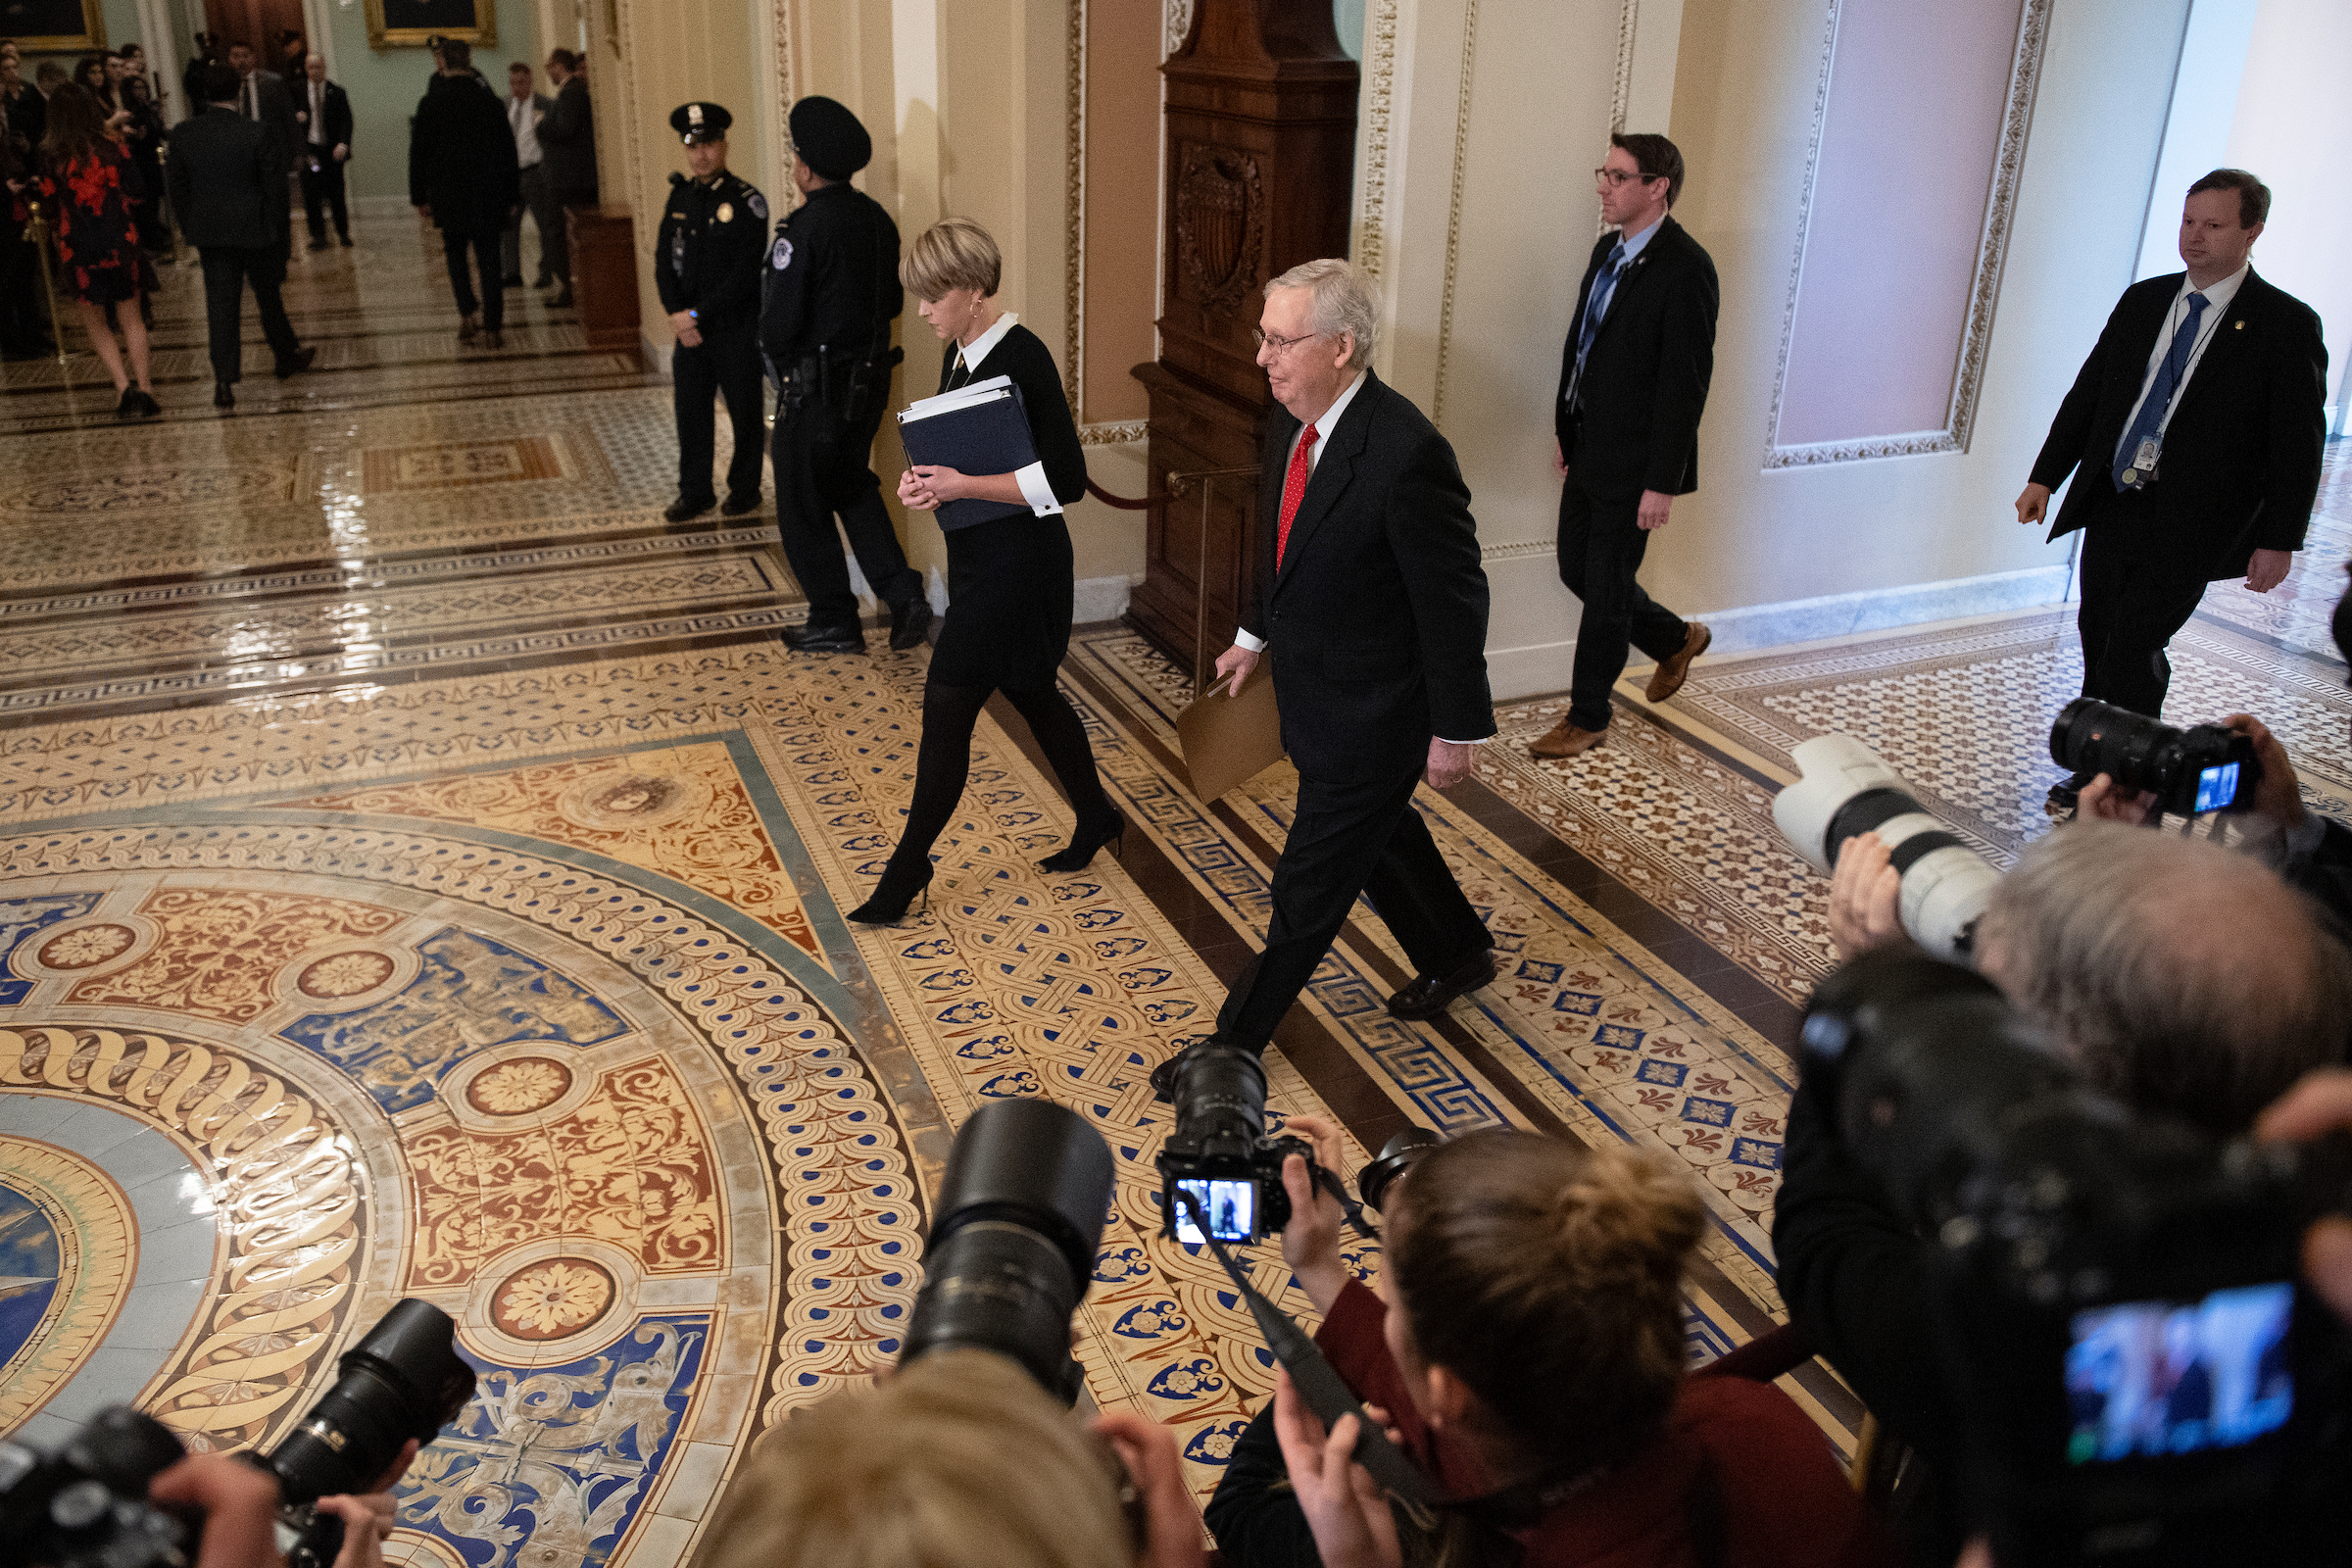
<point x="2293" y="122"/>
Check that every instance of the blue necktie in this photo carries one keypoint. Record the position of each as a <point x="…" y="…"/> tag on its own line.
<point x="2159" y="398"/>
<point x="1596" y="308"/>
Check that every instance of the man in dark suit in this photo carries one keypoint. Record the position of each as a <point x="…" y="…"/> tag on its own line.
<point x="567" y="135"/>
<point x="1633" y="379"/>
<point x="462" y="174"/>
<point x="325" y="116"/>
<point x="2194" y="432"/>
<point x="1373" y="606"/>
<point x="228" y="192"/>
<point x="262" y="98"/>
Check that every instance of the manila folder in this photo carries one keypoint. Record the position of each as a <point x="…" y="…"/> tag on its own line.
<point x="1228" y="741"/>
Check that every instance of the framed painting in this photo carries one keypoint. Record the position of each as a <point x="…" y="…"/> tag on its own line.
<point x="407" y="24"/>
<point x="53" y="26"/>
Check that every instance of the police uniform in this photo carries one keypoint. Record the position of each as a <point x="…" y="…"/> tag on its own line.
<point x="707" y="258"/>
<point x="832" y="291"/>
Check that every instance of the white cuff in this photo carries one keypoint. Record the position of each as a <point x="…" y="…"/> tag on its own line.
<point x="1035" y="490"/>
<point x="1481" y="741"/>
<point x="1243" y="640"/>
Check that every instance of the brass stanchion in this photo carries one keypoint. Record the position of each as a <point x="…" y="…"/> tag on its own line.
<point x="36" y="234"/>
<point x="163" y="199"/>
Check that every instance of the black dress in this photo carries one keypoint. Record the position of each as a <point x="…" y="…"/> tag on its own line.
<point x="99" y="259"/>
<point x="1011" y="581"/>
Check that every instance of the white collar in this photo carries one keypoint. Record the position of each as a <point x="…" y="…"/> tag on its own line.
<point x="2220" y="293"/>
<point x="975" y="352"/>
<point x="1329" y="419"/>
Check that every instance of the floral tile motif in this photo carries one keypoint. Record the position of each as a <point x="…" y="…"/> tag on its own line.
<point x="220" y="956"/>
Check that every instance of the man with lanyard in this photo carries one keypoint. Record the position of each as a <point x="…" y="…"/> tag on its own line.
<point x="525" y="107"/>
<point x="706" y="268"/>
<point x="832" y="292"/>
<point x="2194" y="433"/>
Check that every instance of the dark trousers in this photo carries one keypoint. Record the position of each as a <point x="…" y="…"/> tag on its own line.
<point x="228" y="269"/>
<point x="1346" y="839"/>
<point x="820" y="473"/>
<point x="2135" y="594"/>
<point x="540" y="203"/>
<point x="1600" y="548"/>
<point x="493" y="301"/>
<point x="322" y="183"/>
<point x="943" y="764"/>
<point x="726" y="365"/>
<point x="23" y="308"/>
<point x="555" y="240"/>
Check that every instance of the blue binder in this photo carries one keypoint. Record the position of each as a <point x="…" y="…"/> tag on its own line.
<point x="976" y="429"/>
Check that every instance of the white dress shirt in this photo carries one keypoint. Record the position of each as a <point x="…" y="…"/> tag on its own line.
<point x="2216" y="305"/>
<point x="318" y="125"/>
<point x="1032" y="479"/>
<point x="522" y="114"/>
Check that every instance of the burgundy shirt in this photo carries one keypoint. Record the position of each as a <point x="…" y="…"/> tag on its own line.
<point x="1786" y="1498"/>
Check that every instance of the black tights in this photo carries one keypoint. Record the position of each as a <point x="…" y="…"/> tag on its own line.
<point x="944" y="765"/>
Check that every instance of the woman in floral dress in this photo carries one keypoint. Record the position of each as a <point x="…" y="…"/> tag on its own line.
<point x="100" y="263"/>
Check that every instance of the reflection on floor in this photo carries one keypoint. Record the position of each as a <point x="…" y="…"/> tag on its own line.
<point x="420" y="873"/>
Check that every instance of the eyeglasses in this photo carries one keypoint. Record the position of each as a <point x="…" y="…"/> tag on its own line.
<point x="1267" y="340"/>
<point x="1614" y="177"/>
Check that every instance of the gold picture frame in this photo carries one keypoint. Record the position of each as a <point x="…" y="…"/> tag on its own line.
<point x="58" y="14"/>
<point x="408" y="24"/>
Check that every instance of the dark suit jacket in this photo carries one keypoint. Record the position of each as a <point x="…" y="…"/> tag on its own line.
<point x="2241" y="457"/>
<point x="461" y="158"/>
<point x="336" y="117"/>
<point x="220" y="175"/>
<point x="1377" y="621"/>
<point x="277" y="118"/>
<point x="1645" y="379"/>
<point x="567" y="143"/>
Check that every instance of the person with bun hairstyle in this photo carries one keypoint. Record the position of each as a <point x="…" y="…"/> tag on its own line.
<point x="1526" y="1349"/>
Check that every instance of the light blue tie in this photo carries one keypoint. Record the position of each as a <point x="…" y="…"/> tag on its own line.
<point x="2159" y="398"/>
<point x="1603" y="287"/>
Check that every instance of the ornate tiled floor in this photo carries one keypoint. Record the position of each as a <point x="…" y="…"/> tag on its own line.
<point x="420" y="873"/>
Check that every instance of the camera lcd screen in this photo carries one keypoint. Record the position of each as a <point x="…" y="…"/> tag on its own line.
<point x="1231" y="1207"/>
<point x="2217" y="787"/>
<point x="2145" y="1379"/>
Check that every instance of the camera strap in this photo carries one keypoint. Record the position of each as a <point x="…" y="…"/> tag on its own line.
<point x="1325" y="1391"/>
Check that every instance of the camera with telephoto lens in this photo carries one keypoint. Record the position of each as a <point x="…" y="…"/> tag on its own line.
<point x="2207" y="768"/>
<point x="85" y="1505"/>
<point x="1844" y="791"/>
<point x="1220" y="1152"/>
<point x="1396" y="1156"/>
<point x="1022" y="1212"/>
<point x="2114" y="1299"/>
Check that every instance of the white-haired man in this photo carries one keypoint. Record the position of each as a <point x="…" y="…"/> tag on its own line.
<point x="1373" y="606"/>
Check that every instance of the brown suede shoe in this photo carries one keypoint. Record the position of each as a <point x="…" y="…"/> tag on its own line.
<point x="1566" y="740"/>
<point x="1668" y="677"/>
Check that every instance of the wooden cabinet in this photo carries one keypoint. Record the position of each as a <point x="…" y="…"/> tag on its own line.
<point x="603" y="275"/>
<point x="1259" y="138"/>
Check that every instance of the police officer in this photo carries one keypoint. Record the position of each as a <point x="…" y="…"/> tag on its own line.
<point x="707" y="265"/>
<point x="832" y="293"/>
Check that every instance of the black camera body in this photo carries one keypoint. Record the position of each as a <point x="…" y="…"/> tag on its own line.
<point x="1220" y="1152"/>
<point x="2203" y="769"/>
<point x="85" y="1505"/>
<point x="2115" y="1298"/>
<point x="1012" y="1250"/>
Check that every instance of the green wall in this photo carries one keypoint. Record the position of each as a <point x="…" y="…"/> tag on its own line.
<point x="386" y="85"/>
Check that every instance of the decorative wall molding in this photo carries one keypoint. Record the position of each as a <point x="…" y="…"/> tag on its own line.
<point x="1379" y="97"/>
<point x="2025" y="75"/>
<point x="1517" y="549"/>
<point x="1113" y="433"/>
<point x="1621" y="101"/>
<point x="1073" y="193"/>
<point x="786" y="89"/>
<point x="1454" y="210"/>
<point x="1177" y="23"/>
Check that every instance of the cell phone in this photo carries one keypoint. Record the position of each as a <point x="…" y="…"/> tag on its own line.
<point x="2217" y="787"/>
<point x="1231" y="1206"/>
<point x="2148" y="1379"/>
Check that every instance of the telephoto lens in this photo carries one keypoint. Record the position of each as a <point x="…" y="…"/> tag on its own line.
<point x="2206" y="767"/>
<point x="1396" y="1156"/>
<point x="1011" y="1253"/>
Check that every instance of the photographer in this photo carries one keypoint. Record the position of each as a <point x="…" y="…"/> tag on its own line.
<point x="2180" y="978"/>
<point x="956" y="1460"/>
<point x="2321" y="1103"/>
<point x="1527" y="1344"/>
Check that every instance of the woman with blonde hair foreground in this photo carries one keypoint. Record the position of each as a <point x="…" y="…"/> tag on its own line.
<point x="1527" y="1347"/>
<point x="958" y="1460"/>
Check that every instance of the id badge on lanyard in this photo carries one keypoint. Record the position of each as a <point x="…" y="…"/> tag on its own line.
<point x="2144" y="462"/>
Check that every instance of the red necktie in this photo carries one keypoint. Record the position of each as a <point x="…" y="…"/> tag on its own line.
<point x="1293" y="491"/>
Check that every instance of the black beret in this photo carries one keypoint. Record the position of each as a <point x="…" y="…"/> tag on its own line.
<point x="829" y="138"/>
<point x="699" y="122"/>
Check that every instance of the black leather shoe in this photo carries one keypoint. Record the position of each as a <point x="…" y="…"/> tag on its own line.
<point x="824" y="639"/>
<point x="149" y="409"/>
<point x="319" y="244"/>
<point x="129" y="407"/>
<point x="562" y="301"/>
<point x="222" y="396"/>
<point x="343" y="240"/>
<point x="297" y="362"/>
<point x="909" y="623"/>
<point x="1429" y="994"/>
<point x="892" y="895"/>
<point x="2067" y="791"/>
<point x="684" y="511"/>
<point x="737" y="506"/>
<point x="1085" y="840"/>
<point x="510" y="280"/>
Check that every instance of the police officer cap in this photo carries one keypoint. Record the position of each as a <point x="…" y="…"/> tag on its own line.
<point x="699" y="122"/>
<point x="829" y="138"/>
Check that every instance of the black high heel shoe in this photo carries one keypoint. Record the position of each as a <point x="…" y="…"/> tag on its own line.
<point x="1085" y="842"/>
<point x="889" y="903"/>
